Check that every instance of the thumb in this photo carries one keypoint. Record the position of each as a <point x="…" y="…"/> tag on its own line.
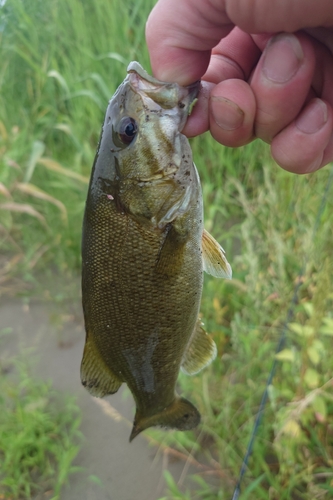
<point x="261" y="16"/>
<point x="180" y="35"/>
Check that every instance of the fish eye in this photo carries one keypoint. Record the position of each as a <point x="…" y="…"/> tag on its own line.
<point x="127" y="130"/>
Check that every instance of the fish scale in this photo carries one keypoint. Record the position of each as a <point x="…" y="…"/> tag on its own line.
<point x="121" y="306"/>
<point x="143" y="254"/>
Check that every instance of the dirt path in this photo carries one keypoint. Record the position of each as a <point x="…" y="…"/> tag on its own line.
<point x="127" y="471"/>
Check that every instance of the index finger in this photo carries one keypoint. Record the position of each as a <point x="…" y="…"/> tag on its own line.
<point x="180" y="35"/>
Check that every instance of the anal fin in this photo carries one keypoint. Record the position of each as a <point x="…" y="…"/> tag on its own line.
<point x="200" y="352"/>
<point x="96" y="376"/>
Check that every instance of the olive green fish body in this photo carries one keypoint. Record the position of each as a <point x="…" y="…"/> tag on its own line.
<point x="142" y="254"/>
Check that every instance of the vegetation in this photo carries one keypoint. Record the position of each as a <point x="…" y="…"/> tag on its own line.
<point x="60" y="63"/>
<point x="39" y="437"/>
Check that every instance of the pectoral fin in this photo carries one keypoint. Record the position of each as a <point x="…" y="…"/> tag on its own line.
<point x="96" y="376"/>
<point x="171" y="255"/>
<point x="214" y="259"/>
<point x="200" y="352"/>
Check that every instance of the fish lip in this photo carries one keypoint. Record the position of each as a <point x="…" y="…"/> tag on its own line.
<point x="135" y="67"/>
<point x="166" y="94"/>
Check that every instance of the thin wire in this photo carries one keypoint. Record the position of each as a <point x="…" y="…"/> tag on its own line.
<point x="280" y="345"/>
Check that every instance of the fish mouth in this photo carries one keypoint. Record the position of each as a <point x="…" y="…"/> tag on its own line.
<point x="165" y="94"/>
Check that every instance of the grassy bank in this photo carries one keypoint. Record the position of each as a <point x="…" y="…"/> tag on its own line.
<point x="39" y="436"/>
<point x="60" y="63"/>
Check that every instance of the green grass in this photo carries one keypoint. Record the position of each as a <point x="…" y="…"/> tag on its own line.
<point x="293" y="452"/>
<point x="39" y="438"/>
<point x="61" y="61"/>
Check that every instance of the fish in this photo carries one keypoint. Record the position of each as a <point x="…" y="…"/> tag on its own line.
<point x="144" y="250"/>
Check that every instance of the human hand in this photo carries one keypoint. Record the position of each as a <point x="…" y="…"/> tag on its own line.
<point x="276" y="86"/>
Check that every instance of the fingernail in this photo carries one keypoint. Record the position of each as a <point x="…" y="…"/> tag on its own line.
<point x="226" y="113"/>
<point x="313" y="118"/>
<point x="283" y="56"/>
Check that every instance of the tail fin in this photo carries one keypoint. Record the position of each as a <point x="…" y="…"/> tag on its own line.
<point x="181" y="415"/>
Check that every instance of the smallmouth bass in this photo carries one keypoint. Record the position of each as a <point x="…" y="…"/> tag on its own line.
<point x="144" y="249"/>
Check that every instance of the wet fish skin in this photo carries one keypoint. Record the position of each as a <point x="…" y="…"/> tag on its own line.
<point x="142" y="254"/>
